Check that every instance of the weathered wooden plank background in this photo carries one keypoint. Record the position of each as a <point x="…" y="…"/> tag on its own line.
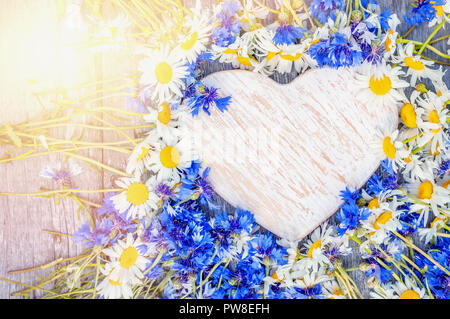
<point x="24" y="35"/>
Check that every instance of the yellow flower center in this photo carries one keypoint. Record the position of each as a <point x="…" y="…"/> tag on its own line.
<point x="425" y="190"/>
<point x="413" y="64"/>
<point x="445" y="185"/>
<point x="164" y="114"/>
<point x="169" y="156"/>
<point x="380" y="86"/>
<point x="290" y="57"/>
<point x="436" y="151"/>
<point x="408" y="115"/>
<point x="189" y="43"/>
<point x="435" y="220"/>
<point x="434" y="118"/>
<point x="163" y="72"/>
<point x="374" y="203"/>
<point x="382" y="219"/>
<point x="388" y="42"/>
<point x="408" y="159"/>
<point x="128" y="257"/>
<point x="409" y="294"/>
<point x="230" y="51"/>
<point x="244" y="60"/>
<point x="439" y="10"/>
<point x="389" y="148"/>
<point x="439" y="93"/>
<point x="314" y="245"/>
<point x="270" y="55"/>
<point x="137" y="193"/>
<point x="338" y="292"/>
<point x="114" y="282"/>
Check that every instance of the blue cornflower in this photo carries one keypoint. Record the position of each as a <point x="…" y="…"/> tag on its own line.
<point x="348" y="196"/>
<point x="423" y="11"/>
<point x="225" y="34"/>
<point x="322" y="9"/>
<point x="337" y="51"/>
<point x="98" y="236"/>
<point x="265" y="247"/>
<point x="439" y="281"/>
<point x="288" y="34"/>
<point x="314" y="292"/>
<point x="191" y="76"/>
<point x="350" y="216"/>
<point x="205" y="98"/>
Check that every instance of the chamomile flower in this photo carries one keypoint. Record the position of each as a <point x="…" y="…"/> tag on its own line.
<point x="380" y="85"/>
<point x="113" y="289"/>
<point x="434" y="122"/>
<point x="163" y="72"/>
<point x="126" y="261"/>
<point x="196" y="38"/>
<point x="406" y="290"/>
<point x="140" y="154"/>
<point x="417" y="68"/>
<point x="430" y="196"/>
<point x="172" y="155"/>
<point x="430" y="233"/>
<point x="315" y="246"/>
<point x="384" y="219"/>
<point x="138" y="198"/>
<point x="387" y="146"/>
<point x="390" y="43"/>
<point x="167" y="118"/>
<point x="332" y="290"/>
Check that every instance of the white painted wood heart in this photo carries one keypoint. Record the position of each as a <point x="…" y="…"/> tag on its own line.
<point x="285" y="152"/>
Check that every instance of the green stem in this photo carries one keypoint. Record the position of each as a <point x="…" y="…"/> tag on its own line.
<point x="432" y="35"/>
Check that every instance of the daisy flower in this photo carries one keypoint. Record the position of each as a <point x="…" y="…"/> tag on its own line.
<point x="172" y="155"/>
<point x="332" y="290"/>
<point x="430" y="233"/>
<point x="315" y="246"/>
<point x="163" y="72"/>
<point x="137" y="199"/>
<point x="114" y="289"/>
<point x="407" y="290"/>
<point x="167" y="118"/>
<point x="433" y="121"/>
<point x="236" y="53"/>
<point x="428" y="194"/>
<point x="390" y="43"/>
<point x="195" y="40"/>
<point x="379" y="85"/>
<point x="387" y="146"/>
<point x="127" y="262"/>
<point x="383" y="219"/>
<point x="418" y="68"/>
<point x="140" y="154"/>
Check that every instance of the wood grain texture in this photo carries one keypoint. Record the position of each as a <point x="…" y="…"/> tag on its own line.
<point x="285" y="152"/>
<point x="22" y="242"/>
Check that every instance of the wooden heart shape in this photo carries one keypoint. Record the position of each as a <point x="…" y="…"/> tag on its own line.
<point x="285" y="152"/>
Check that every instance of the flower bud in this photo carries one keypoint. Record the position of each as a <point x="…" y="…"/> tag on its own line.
<point x="356" y="16"/>
<point x="421" y="88"/>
